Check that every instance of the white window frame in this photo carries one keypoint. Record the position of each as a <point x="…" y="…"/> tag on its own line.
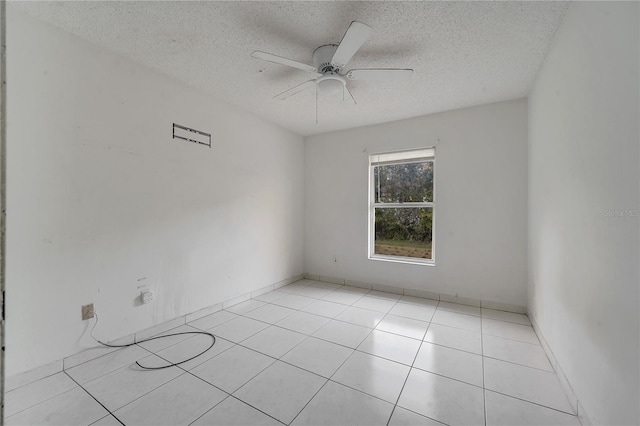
<point x="400" y="157"/>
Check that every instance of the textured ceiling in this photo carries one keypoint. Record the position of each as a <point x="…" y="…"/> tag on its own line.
<point x="462" y="53"/>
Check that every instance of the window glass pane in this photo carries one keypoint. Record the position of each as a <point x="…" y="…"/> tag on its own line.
<point x="404" y="183"/>
<point x="404" y="232"/>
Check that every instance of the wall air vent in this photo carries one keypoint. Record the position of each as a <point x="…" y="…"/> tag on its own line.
<point x="191" y="135"/>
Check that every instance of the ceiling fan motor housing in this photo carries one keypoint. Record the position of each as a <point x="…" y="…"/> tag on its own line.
<point x="322" y="58"/>
<point x="331" y="81"/>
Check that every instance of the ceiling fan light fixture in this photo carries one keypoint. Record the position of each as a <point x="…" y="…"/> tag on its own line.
<point x="331" y="84"/>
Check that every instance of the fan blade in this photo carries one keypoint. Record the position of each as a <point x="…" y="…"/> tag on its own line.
<point x="282" y="61"/>
<point x="350" y="95"/>
<point x="388" y="74"/>
<point x="295" y="89"/>
<point x="355" y="36"/>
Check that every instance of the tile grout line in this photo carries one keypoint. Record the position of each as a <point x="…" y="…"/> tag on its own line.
<point x="446" y="377"/>
<point x="335" y="318"/>
<point x="411" y="367"/>
<point x="518" y="364"/>
<point x="339" y="367"/>
<point x="367" y="353"/>
<point x="256" y="408"/>
<point x="244" y="383"/>
<point x="39" y="379"/>
<point x="302" y="311"/>
<point x="270" y="356"/>
<point x="385" y="315"/>
<point x="356" y="348"/>
<point x="40" y="402"/>
<point x="328" y="341"/>
<point x="314" y="373"/>
<point x="354" y="351"/>
<point x="65" y="371"/>
<point x="280" y="359"/>
<point x="309" y="401"/>
<point x="274" y="324"/>
<point x="489" y="334"/>
<point x="125" y="366"/>
<point x="229" y="395"/>
<point x="533" y="403"/>
<point x="96" y="400"/>
<point x="484" y="390"/>
<point x="241" y="401"/>
<point x="364" y="393"/>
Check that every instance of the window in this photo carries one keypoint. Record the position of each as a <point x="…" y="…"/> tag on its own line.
<point x="401" y="206"/>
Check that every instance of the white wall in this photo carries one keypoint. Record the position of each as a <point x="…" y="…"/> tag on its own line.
<point x="481" y="219"/>
<point x="99" y="196"/>
<point x="583" y="167"/>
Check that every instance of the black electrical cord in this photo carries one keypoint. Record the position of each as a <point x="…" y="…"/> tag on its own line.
<point x="213" y="342"/>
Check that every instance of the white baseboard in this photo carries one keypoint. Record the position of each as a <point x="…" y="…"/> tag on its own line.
<point x="518" y="309"/>
<point x="584" y="418"/>
<point x="460" y="300"/>
<point x="313" y="277"/>
<point x="236" y="300"/>
<point x="203" y="312"/>
<point x="288" y="281"/>
<point x="564" y="382"/>
<point x="18" y="380"/>
<point x="29" y="376"/>
<point x="421" y="293"/>
<point x="331" y="280"/>
<point x="387" y="289"/>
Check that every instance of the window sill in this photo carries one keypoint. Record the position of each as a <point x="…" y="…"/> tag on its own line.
<point x="398" y="259"/>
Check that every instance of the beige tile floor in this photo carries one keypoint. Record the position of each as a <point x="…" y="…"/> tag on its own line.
<point x="313" y="353"/>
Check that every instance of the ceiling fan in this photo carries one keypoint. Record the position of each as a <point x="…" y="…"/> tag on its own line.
<point x="328" y="63"/>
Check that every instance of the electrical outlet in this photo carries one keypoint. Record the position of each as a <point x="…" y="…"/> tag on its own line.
<point x="87" y="311"/>
<point x="146" y="296"/>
